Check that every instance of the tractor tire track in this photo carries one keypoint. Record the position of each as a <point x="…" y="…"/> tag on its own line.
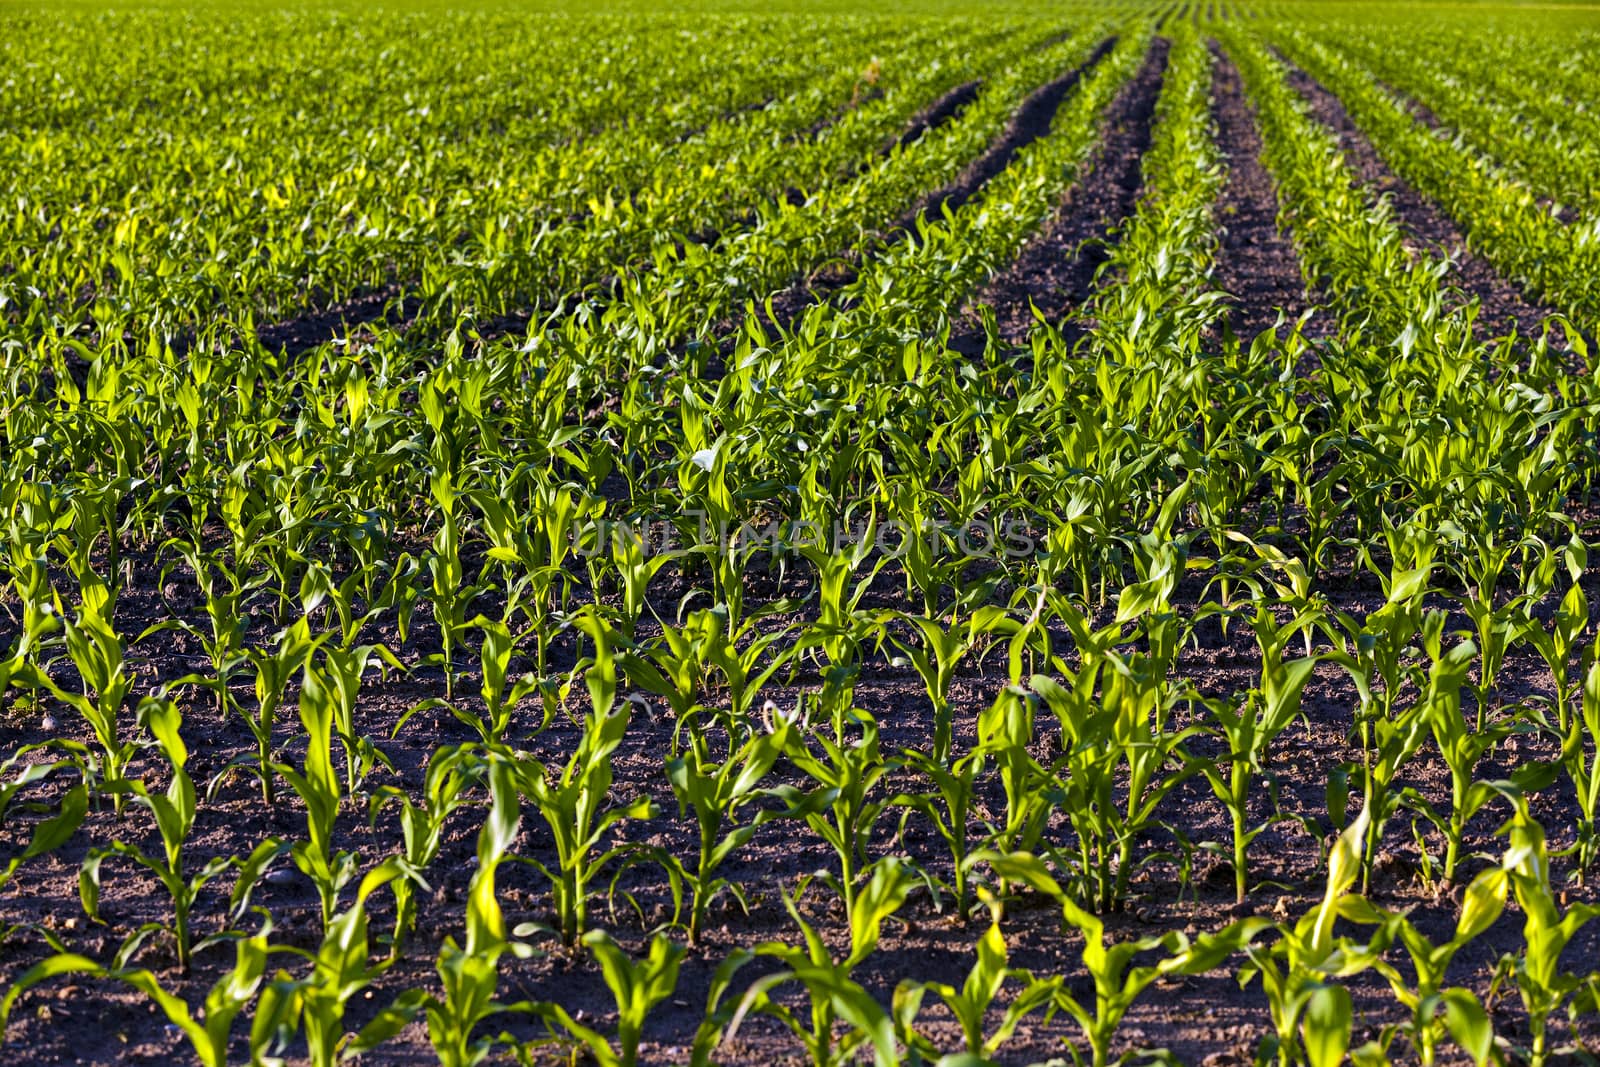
<point x="387" y="306"/>
<point x="378" y="309"/>
<point x="1030" y="122"/>
<point x="1055" y="272"/>
<point x="1425" y="115"/>
<point x="937" y="114"/>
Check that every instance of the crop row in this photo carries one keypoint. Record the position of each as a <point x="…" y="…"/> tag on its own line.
<point x="433" y="663"/>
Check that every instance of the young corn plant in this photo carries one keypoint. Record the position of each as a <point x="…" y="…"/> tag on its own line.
<point x="337" y="605"/>
<point x="840" y="629"/>
<point x="501" y="695"/>
<point x="41" y="613"/>
<point x="1482" y="564"/>
<point x="318" y="786"/>
<point x="635" y="568"/>
<point x="835" y="1001"/>
<point x="315" y="1004"/>
<point x="1461" y="749"/>
<point x="715" y="792"/>
<point x="929" y="568"/>
<point x="445" y="785"/>
<point x="636" y="986"/>
<point x="1118" y="983"/>
<point x="975" y="1001"/>
<point x="174" y="813"/>
<point x="677" y="667"/>
<point x="1159" y="562"/>
<point x="1555" y="645"/>
<point x="274" y="668"/>
<point x="1546" y="932"/>
<point x="344" y="668"/>
<point x="1395" y="742"/>
<point x="207" y="1029"/>
<point x="538" y="546"/>
<point x="841" y="809"/>
<point x="1249" y="727"/>
<point x="449" y="592"/>
<point x="468" y="974"/>
<point x="575" y="803"/>
<point x="709" y="494"/>
<point x="1376" y="648"/>
<point x="936" y="654"/>
<point x="1380" y="667"/>
<point x="223" y="637"/>
<point x="1119" y="761"/>
<point x="1300" y="970"/>
<point x="99" y="655"/>
<point x="949" y="806"/>
<point x="1006" y="731"/>
<point x="1439" y="1012"/>
<point x="689" y="658"/>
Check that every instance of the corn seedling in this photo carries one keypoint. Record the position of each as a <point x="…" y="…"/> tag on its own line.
<point x="1117" y="982"/>
<point x="1300" y="970"/>
<point x="637" y="987"/>
<point x="976" y="999"/>
<point x="317" y="784"/>
<point x="574" y="802"/>
<point x="1438" y="1011"/>
<point x="1249" y="725"/>
<point x="715" y="792"/>
<point x="208" y="1028"/>
<point x="833" y="997"/>
<point x="174" y="812"/>
<point x="468" y="974"/>
<point x="1536" y="971"/>
<point x="314" y="1005"/>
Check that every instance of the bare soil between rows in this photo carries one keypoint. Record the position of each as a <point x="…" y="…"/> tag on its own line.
<point x="1056" y="271"/>
<point x="1501" y="304"/>
<point x="1205" y="1019"/>
<point x="1258" y="265"/>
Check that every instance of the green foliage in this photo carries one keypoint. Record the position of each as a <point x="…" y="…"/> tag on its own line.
<point x="672" y="386"/>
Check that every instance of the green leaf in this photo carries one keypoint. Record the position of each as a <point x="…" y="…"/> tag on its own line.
<point x="1326" y="1025"/>
<point x="1482" y="903"/>
<point x="1469" y="1024"/>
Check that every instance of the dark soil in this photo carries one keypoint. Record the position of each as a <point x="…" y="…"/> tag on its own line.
<point x="382" y="310"/>
<point x="1031" y="122"/>
<point x="941" y="111"/>
<point x="1501" y="303"/>
<point x="1257" y="264"/>
<point x="1056" y="271"/>
<point x="387" y="307"/>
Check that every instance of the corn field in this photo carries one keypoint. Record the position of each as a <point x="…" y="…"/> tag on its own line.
<point x="799" y="534"/>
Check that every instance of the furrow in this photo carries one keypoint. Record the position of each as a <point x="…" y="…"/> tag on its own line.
<point x="1031" y="122"/>
<point x="1500" y="301"/>
<point x="1056" y="271"/>
<point x="1258" y="266"/>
